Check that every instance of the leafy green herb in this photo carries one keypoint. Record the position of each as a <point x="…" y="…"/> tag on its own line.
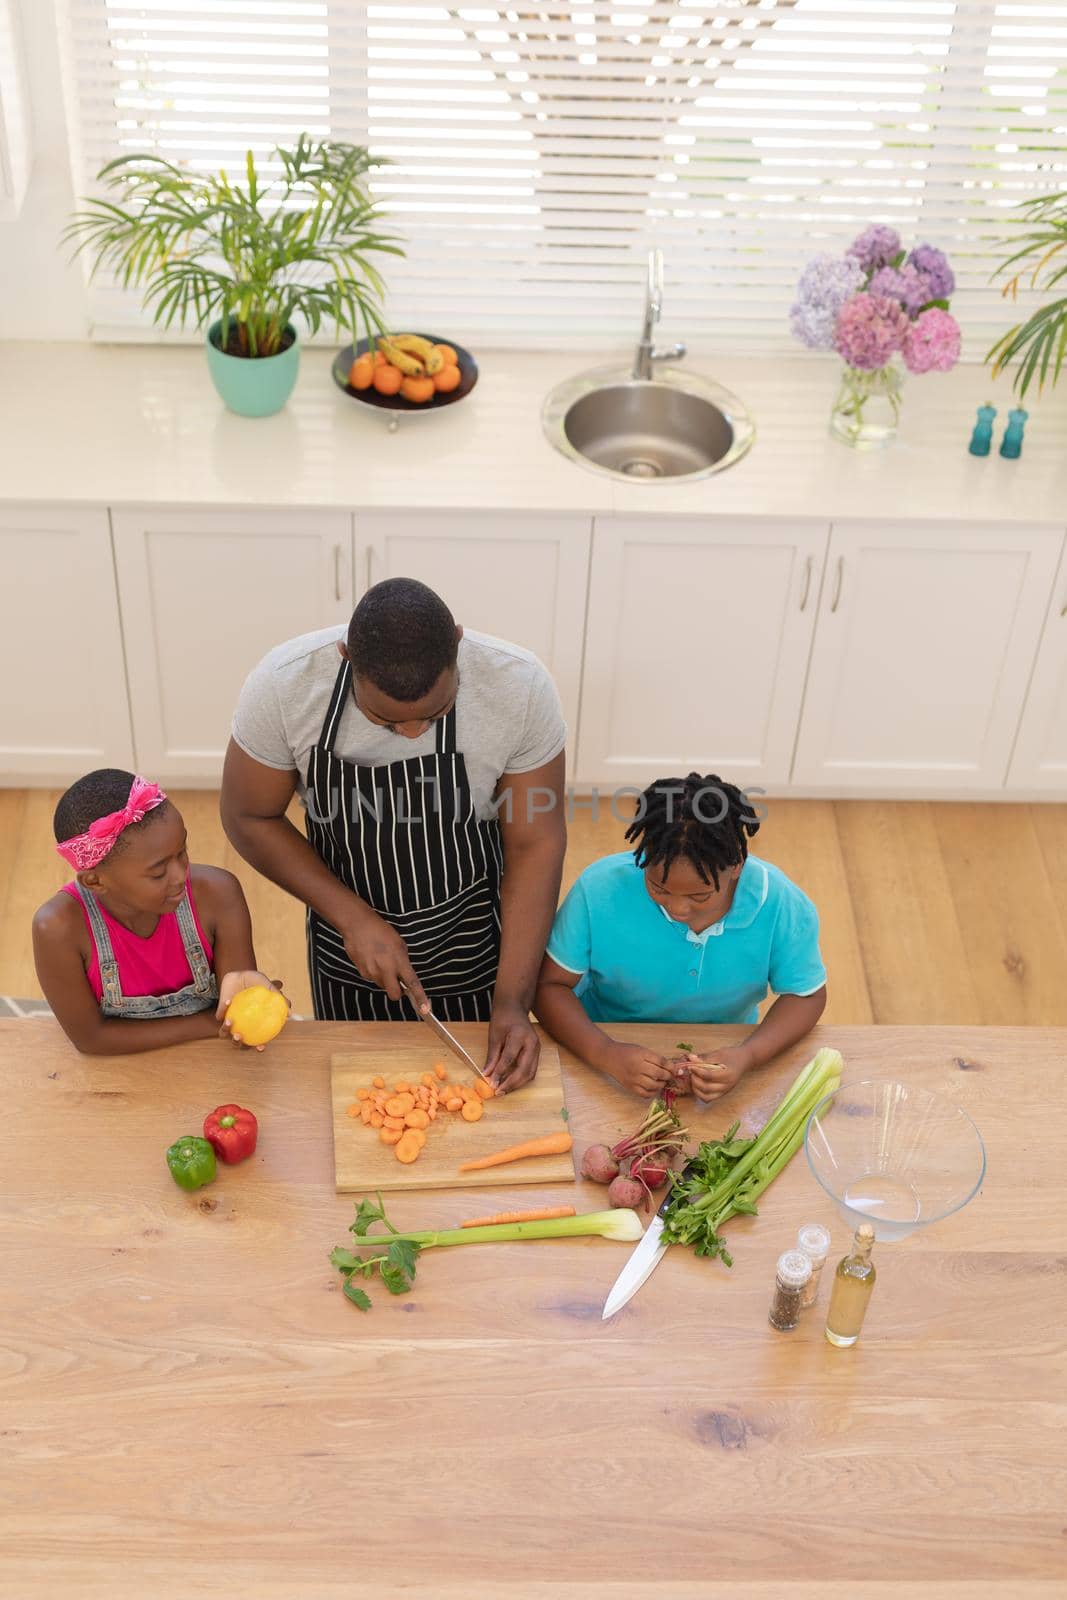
<point x="395" y="1265"/>
<point x="726" y="1176"/>
<point x="359" y="1297"/>
<point x="564" y="1113"/>
<point x="688" y="1048"/>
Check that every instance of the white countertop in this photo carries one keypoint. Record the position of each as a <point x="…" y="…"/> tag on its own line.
<point x="127" y="425"/>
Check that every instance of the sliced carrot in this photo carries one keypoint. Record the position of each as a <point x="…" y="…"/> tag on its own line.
<point x="363" y="1094"/>
<point x="393" y="1122"/>
<point x="366" y="1111"/>
<point x="416" y="1119"/>
<point x="391" y="1135"/>
<point x="432" y="1113"/>
<point x="454" y="1104"/>
<point x="543" y="1215"/>
<point x="354" y="1111"/>
<point x="400" y="1105"/>
<point x="401" y="1088"/>
<point x="426" y="1080"/>
<point x="553" y="1144"/>
<point x="472" y="1110"/>
<point x="379" y="1083"/>
<point x="423" y="1097"/>
<point x="408" y="1147"/>
<point x="486" y="1090"/>
<point x="441" y="1072"/>
<point x="376" y="1119"/>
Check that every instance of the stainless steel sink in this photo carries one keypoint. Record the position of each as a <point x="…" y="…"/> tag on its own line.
<point x="672" y="427"/>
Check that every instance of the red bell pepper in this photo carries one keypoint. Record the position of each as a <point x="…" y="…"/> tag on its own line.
<point x="231" y="1131"/>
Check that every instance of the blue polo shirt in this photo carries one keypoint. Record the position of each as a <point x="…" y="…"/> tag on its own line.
<point x="639" y="966"/>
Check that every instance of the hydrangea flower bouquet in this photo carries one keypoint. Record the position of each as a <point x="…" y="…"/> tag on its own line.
<point x="872" y="305"/>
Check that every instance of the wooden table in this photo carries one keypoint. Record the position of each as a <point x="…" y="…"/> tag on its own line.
<point x="191" y="1408"/>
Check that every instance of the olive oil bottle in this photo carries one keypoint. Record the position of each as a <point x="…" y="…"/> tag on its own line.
<point x="853" y="1282"/>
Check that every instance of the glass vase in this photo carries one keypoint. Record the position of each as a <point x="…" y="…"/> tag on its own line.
<point x="867" y="408"/>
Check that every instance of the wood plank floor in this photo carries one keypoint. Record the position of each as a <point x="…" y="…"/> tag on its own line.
<point x="951" y="913"/>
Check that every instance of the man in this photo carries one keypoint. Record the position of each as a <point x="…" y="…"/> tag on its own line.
<point x="430" y="762"/>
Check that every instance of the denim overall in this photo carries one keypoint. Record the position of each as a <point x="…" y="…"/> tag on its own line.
<point x="199" y="995"/>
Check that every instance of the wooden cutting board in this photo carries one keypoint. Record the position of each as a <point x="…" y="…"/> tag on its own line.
<point x="362" y="1163"/>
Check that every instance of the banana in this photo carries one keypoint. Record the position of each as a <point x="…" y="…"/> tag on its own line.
<point x="416" y="345"/>
<point x="399" y="358"/>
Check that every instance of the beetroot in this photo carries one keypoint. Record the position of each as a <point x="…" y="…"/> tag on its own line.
<point x="599" y="1164"/>
<point x="648" y="1155"/>
<point x="650" y="1174"/>
<point x="626" y="1192"/>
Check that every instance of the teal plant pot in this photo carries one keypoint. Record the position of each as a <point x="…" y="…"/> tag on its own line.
<point x="252" y="387"/>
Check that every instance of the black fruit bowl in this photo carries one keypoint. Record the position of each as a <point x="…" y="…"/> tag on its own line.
<point x="395" y="403"/>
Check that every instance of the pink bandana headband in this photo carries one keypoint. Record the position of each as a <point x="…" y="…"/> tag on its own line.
<point x="88" y="849"/>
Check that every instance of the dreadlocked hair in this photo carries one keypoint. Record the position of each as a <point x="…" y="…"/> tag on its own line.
<point x="704" y="819"/>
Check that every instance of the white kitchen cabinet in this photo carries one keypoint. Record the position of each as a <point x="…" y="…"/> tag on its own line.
<point x="924" y="644"/>
<point x="61" y="664"/>
<point x="520" y="576"/>
<point x="696" y="646"/>
<point x="204" y="595"/>
<point x="1040" y="759"/>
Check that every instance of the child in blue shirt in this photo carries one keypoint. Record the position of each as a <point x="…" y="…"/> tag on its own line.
<point x="686" y="928"/>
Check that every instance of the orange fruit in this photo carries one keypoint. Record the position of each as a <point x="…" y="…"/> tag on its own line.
<point x="451" y="358"/>
<point x="387" y="379"/>
<point x="418" y="389"/>
<point x="362" y="374"/>
<point x="447" y="379"/>
<point x="379" y="359"/>
<point x="257" y="1015"/>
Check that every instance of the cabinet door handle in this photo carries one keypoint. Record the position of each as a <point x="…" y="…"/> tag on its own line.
<point x="337" y="594"/>
<point x="808" y="565"/>
<point x="369" y="565"/>
<point x="837" y="584"/>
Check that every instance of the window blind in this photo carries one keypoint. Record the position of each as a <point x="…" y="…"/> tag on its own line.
<point x="536" y="152"/>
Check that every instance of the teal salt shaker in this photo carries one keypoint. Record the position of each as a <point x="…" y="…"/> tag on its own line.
<point x="982" y="437"/>
<point x="1011" y="446"/>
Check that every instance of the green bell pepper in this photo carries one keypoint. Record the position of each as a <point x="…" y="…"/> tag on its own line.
<point x="192" y="1162"/>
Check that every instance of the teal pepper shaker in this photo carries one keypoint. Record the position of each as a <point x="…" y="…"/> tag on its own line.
<point x="1011" y="446"/>
<point x="982" y="437"/>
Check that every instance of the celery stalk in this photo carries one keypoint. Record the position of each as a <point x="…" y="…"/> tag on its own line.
<point x="726" y="1181"/>
<point x="622" y="1224"/>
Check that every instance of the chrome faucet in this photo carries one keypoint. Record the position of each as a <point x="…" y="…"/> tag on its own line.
<point x="646" y="352"/>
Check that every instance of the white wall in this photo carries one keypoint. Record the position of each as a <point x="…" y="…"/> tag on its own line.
<point x="41" y="295"/>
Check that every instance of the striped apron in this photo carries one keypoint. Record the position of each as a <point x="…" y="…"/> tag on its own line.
<point x="405" y="837"/>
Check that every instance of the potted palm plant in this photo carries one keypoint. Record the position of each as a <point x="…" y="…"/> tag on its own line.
<point x="245" y="260"/>
<point x="1036" y="346"/>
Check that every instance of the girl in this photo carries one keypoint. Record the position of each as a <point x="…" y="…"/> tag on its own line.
<point x="687" y="928"/>
<point x="127" y="954"/>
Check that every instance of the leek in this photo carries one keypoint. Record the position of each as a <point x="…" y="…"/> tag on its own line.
<point x="726" y="1176"/>
<point x="395" y="1253"/>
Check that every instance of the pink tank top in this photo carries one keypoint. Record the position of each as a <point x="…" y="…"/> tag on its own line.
<point x="157" y="965"/>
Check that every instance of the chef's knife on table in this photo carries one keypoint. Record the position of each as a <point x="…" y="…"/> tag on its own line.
<point x="645" y="1257"/>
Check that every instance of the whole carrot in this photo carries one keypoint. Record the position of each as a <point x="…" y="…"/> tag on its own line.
<point x="541" y="1215"/>
<point x="553" y="1144"/>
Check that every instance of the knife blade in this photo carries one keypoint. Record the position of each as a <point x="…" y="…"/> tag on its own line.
<point x="443" y="1034"/>
<point x="645" y="1257"/>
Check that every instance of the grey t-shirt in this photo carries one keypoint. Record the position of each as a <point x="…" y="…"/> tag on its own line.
<point x="508" y="715"/>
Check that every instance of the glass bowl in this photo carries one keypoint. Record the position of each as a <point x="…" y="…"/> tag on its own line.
<point x="894" y="1155"/>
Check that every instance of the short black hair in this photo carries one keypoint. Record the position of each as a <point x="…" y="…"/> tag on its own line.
<point x="402" y="637"/>
<point x="704" y="819"/>
<point x="96" y="795"/>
